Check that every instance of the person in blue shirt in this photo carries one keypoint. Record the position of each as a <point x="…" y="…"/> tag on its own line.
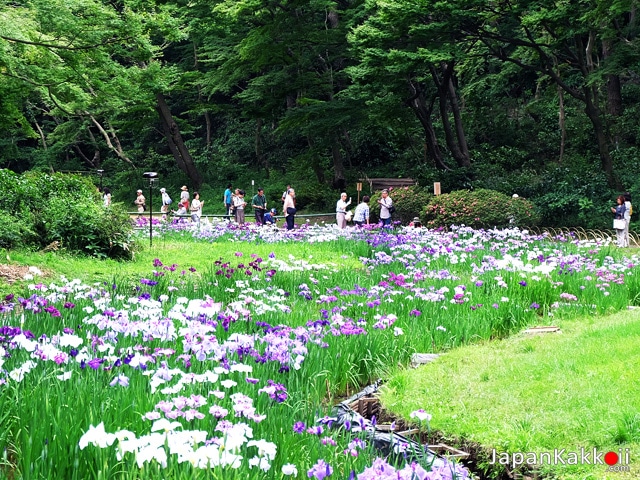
<point x="361" y="215"/>
<point x="227" y="201"/>
<point x="270" y="217"/>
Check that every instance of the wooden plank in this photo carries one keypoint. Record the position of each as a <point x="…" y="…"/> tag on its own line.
<point x="447" y="450"/>
<point x="549" y="329"/>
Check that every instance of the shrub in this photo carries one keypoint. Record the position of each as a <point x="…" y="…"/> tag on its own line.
<point x="479" y="209"/>
<point x="64" y="208"/>
<point x="13" y="231"/>
<point x="409" y="203"/>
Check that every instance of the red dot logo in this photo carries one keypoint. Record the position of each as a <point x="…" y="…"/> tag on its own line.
<point x="611" y="458"/>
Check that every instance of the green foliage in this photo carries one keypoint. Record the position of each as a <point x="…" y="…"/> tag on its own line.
<point x="13" y="230"/>
<point x="479" y="209"/>
<point x="409" y="202"/>
<point x="38" y="209"/>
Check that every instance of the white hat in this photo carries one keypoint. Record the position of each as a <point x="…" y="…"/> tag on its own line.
<point x="162" y="190"/>
<point x="139" y="191"/>
<point x="184" y="187"/>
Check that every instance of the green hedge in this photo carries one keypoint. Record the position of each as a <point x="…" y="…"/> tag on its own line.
<point x="38" y="209"/>
<point x="480" y="208"/>
<point x="409" y="202"/>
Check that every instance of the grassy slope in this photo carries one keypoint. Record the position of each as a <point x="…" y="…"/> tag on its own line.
<point x="536" y="393"/>
<point x="186" y="254"/>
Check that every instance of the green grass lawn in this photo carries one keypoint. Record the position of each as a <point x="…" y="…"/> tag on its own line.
<point x="535" y="393"/>
<point x="200" y="255"/>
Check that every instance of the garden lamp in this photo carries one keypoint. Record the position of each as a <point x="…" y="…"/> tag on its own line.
<point x="153" y="181"/>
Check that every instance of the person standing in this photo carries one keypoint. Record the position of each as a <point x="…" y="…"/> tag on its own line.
<point x="259" y="204"/>
<point x="341" y="210"/>
<point x="140" y="202"/>
<point x="361" y="215"/>
<point x="385" y="205"/>
<point x="286" y="192"/>
<point x="628" y="211"/>
<point x="166" y="201"/>
<point x="228" y="201"/>
<point x="619" y="211"/>
<point x="184" y="196"/>
<point x="238" y="206"/>
<point x="196" y="208"/>
<point x="106" y="197"/>
<point x="289" y="208"/>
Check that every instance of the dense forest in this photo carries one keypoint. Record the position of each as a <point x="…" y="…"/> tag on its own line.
<point x="537" y="98"/>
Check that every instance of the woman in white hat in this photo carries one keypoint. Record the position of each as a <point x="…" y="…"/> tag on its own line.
<point x="184" y="194"/>
<point x="166" y="201"/>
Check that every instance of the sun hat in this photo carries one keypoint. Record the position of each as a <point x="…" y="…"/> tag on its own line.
<point x="184" y="187"/>
<point x="162" y="190"/>
<point x="416" y="219"/>
<point x="139" y="191"/>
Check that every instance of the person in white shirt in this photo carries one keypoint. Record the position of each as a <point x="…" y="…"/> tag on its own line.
<point x="238" y="206"/>
<point x="196" y="208"/>
<point x="341" y="210"/>
<point x="385" y="204"/>
<point x="289" y="209"/>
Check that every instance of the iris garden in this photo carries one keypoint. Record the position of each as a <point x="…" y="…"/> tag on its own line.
<point x="229" y="368"/>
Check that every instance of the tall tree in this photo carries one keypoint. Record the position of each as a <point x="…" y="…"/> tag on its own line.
<point x="539" y="36"/>
<point x="283" y="63"/>
<point x="414" y="47"/>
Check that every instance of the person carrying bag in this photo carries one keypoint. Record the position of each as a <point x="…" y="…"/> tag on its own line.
<point x="619" y="223"/>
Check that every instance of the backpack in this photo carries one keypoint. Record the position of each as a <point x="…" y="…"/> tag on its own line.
<point x="169" y="201"/>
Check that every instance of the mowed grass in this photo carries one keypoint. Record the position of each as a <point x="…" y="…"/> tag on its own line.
<point x="537" y="393"/>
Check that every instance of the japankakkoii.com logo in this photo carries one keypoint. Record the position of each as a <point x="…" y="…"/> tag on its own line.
<point x="615" y="461"/>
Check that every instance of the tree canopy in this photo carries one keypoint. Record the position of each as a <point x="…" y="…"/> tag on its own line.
<point x="537" y="98"/>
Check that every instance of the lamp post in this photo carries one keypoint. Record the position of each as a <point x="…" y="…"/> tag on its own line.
<point x="100" y="175"/>
<point x="153" y="180"/>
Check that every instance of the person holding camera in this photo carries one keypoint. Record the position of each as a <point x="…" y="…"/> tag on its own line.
<point x="386" y="208"/>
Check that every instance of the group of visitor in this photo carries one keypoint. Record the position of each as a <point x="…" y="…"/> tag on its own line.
<point x="361" y="215"/>
<point x="186" y="206"/>
<point x="235" y="206"/>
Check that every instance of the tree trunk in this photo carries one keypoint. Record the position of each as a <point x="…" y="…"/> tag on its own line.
<point x="561" y="123"/>
<point x="590" y="94"/>
<point x="316" y="165"/>
<point x="448" y="101"/>
<point x="465" y="159"/>
<point x="418" y="104"/>
<point x="593" y="112"/>
<point x="339" y="182"/>
<point x="176" y="144"/>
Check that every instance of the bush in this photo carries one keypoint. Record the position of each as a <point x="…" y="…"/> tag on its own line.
<point x="63" y="208"/>
<point x="479" y="209"/>
<point x="409" y="203"/>
<point x="13" y="231"/>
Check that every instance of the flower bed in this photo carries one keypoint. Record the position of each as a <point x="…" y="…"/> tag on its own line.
<point x="230" y="367"/>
